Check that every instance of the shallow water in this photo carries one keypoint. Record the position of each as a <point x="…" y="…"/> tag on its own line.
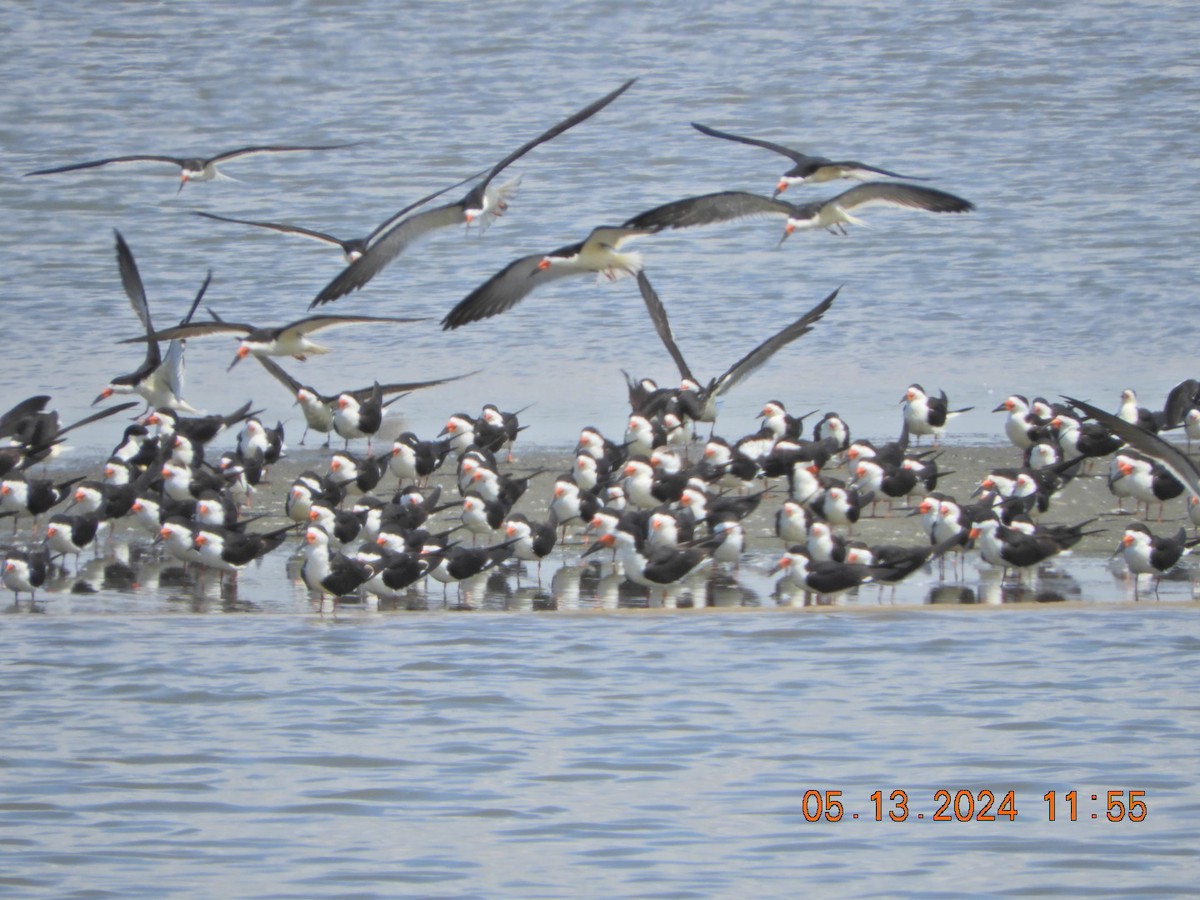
<point x="629" y="753"/>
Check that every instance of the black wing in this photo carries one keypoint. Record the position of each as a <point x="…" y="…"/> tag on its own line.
<point x="794" y="155"/>
<point x="505" y="289"/>
<point x="764" y="351"/>
<point x="250" y="151"/>
<point x="175" y="161"/>
<point x="658" y="315"/>
<point x="570" y="122"/>
<point x="283" y="229"/>
<point x="708" y="209"/>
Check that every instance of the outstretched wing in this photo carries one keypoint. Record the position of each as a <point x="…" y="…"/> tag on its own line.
<point x="708" y="209"/>
<point x="794" y="155"/>
<point x="318" y="323"/>
<point x="910" y="196"/>
<point x="253" y="151"/>
<point x="658" y="315"/>
<point x="276" y="226"/>
<point x="570" y="122"/>
<point x="175" y="161"/>
<point x="505" y="289"/>
<point x="753" y="360"/>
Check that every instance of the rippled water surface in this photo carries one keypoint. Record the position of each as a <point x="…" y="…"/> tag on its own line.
<point x="638" y="753"/>
<point x="586" y="755"/>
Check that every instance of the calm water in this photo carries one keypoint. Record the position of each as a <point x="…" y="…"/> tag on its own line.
<point x="636" y="753"/>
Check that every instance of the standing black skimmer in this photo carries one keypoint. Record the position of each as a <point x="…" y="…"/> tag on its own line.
<point x="191" y="169"/>
<point x="597" y="253"/>
<point x="25" y="571"/>
<point x="925" y="414"/>
<point x="824" y="578"/>
<point x="159" y="379"/>
<point x="652" y="568"/>
<point x="284" y="340"/>
<point x="831" y="214"/>
<point x="808" y="169"/>
<point x="230" y="551"/>
<point x="1138" y="415"/>
<point x="707" y="394"/>
<point x="1022" y="425"/>
<point x="479" y="202"/>
<point x="357" y="416"/>
<point x="1149" y="554"/>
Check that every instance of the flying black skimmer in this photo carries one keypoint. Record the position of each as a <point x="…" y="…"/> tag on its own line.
<point x="831" y="214"/>
<point x="190" y="169"/>
<point x="159" y="379"/>
<point x="284" y="340"/>
<point x="597" y="253"/>
<point x="480" y="201"/>
<point x="808" y="169"/>
<point x="353" y="248"/>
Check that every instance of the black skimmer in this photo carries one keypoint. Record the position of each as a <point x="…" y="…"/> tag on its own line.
<point x="159" y="379"/>
<point x="352" y="248"/>
<point x="1022" y="426"/>
<point x="1090" y="439"/>
<point x="219" y="548"/>
<point x="1009" y="547"/>
<point x="284" y="340"/>
<point x="598" y="253"/>
<point x="34" y="495"/>
<point x="824" y="578"/>
<point x="495" y="430"/>
<point x="25" y="571"/>
<point x="925" y="414"/>
<point x="479" y="201"/>
<point x="652" y="568"/>
<point x="190" y="169"/>
<point x="68" y="534"/>
<point x="333" y="573"/>
<point x="534" y="541"/>
<point x="1148" y="554"/>
<point x="831" y="214"/>
<point x="1138" y="415"/>
<point x="414" y="460"/>
<point x="808" y="169"/>
<point x="740" y="370"/>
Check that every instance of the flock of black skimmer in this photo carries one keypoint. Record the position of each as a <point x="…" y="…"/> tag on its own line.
<point x="660" y="504"/>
